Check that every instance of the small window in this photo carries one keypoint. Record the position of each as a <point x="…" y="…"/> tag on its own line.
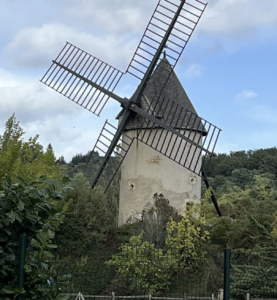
<point x="192" y="180"/>
<point x="132" y="185"/>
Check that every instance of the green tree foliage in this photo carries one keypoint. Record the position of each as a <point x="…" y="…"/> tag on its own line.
<point x="238" y="205"/>
<point x="24" y="159"/>
<point x="89" y="164"/>
<point x="255" y="270"/>
<point x="72" y="238"/>
<point x="28" y="208"/>
<point x="262" y="160"/>
<point x="93" y="207"/>
<point x="90" y="216"/>
<point x="146" y="269"/>
<point x="185" y="238"/>
<point x="155" y="217"/>
<point x="245" y="185"/>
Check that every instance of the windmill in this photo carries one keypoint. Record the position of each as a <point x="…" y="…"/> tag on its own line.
<point x="161" y="122"/>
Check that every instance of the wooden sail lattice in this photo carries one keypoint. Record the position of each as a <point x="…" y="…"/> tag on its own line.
<point x="102" y="145"/>
<point x="72" y="61"/>
<point x="156" y="31"/>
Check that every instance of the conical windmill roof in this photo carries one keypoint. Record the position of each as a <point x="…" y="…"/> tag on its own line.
<point x="157" y="99"/>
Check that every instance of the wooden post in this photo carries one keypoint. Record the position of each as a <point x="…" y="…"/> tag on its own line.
<point x="113" y="295"/>
<point x="220" y="294"/>
<point x="185" y="296"/>
<point x="248" y="296"/>
<point x="80" y="297"/>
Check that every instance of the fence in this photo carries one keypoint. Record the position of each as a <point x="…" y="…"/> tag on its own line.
<point x="254" y="274"/>
<point x="80" y="296"/>
<point x="148" y="273"/>
<point x="251" y="276"/>
<point x="145" y="273"/>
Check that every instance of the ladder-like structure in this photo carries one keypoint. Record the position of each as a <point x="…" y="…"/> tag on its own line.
<point x="188" y="17"/>
<point x="71" y="73"/>
<point x="103" y="144"/>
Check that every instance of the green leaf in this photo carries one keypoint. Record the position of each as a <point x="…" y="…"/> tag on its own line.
<point x="20" y="205"/>
<point x="8" y="289"/>
<point x="19" y="290"/>
<point x="8" y="179"/>
<point x="21" y="180"/>
<point x="52" y="246"/>
<point x="18" y="218"/>
<point x="10" y="257"/>
<point x="44" y="265"/>
<point x="42" y="178"/>
<point x="12" y="216"/>
<point x="65" y="180"/>
<point x="7" y="231"/>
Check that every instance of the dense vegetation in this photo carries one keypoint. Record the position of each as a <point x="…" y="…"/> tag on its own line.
<point x="244" y="183"/>
<point x="30" y="206"/>
<point x="38" y="201"/>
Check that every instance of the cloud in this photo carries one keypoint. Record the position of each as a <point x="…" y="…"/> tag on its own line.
<point x="32" y="101"/>
<point x="105" y="14"/>
<point x="35" y="47"/>
<point x="238" y="18"/>
<point x="8" y="79"/>
<point x="246" y="94"/>
<point x="193" y="71"/>
<point x="111" y="30"/>
<point x="66" y="140"/>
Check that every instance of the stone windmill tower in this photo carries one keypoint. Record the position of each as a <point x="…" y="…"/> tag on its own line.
<point x="158" y="125"/>
<point x="145" y="172"/>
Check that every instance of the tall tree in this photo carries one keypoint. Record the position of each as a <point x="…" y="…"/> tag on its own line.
<point x="24" y="159"/>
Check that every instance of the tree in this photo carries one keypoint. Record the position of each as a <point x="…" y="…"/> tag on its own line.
<point x="238" y="204"/>
<point x="146" y="269"/>
<point x="24" y="159"/>
<point x="155" y="217"/>
<point x="93" y="208"/>
<point x="254" y="271"/>
<point x="61" y="160"/>
<point x="50" y="148"/>
<point x="185" y="238"/>
<point x="30" y="209"/>
<point x="149" y="269"/>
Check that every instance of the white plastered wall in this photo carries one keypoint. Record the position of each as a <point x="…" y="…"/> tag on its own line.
<point x="145" y="172"/>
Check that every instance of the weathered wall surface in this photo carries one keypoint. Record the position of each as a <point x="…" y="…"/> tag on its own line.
<point x="145" y="172"/>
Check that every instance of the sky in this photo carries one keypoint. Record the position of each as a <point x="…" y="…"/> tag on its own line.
<point x="228" y="68"/>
